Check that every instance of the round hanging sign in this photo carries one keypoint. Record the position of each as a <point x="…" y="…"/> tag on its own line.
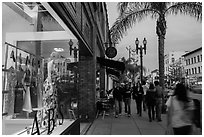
<point x="111" y="52"/>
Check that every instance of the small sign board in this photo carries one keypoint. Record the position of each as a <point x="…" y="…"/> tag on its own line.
<point x="111" y="52"/>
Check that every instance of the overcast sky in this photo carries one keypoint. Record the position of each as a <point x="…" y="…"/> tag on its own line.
<point x="184" y="33"/>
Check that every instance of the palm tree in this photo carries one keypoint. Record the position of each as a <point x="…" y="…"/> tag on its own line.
<point x="131" y="69"/>
<point x="132" y="12"/>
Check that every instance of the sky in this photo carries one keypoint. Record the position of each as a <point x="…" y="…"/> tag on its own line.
<point x="184" y="33"/>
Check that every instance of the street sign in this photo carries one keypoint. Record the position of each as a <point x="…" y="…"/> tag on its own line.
<point x="111" y="52"/>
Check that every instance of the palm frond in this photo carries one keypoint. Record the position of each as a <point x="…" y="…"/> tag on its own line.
<point x="126" y="21"/>
<point x="122" y="6"/>
<point x="193" y="9"/>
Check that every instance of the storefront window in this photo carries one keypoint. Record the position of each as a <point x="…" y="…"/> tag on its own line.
<point x="40" y="71"/>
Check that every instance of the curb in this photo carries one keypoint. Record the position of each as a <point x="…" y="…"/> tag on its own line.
<point x="85" y="130"/>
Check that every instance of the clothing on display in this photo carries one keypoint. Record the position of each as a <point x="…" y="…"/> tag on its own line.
<point x="49" y="100"/>
<point x="12" y="56"/>
<point x="27" y="106"/>
<point x="18" y="99"/>
<point x="27" y="101"/>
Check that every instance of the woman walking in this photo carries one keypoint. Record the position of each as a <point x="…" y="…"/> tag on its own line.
<point x="180" y="111"/>
<point x="150" y="101"/>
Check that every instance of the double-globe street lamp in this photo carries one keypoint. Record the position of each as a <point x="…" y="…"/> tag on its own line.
<point x="141" y="48"/>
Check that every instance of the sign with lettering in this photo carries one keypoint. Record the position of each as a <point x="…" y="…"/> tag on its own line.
<point x="51" y="122"/>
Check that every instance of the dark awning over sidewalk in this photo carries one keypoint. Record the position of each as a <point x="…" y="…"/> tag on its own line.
<point x="111" y="64"/>
<point x="113" y="72"/>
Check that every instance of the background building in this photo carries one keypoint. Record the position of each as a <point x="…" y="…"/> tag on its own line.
<point x="173" y="64"/>
<point x="193" y="66"/>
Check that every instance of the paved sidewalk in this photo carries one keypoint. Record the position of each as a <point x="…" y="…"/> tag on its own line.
<point x="124" y="125"/>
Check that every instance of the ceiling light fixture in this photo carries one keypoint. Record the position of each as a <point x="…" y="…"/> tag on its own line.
<point x="58" y="49"/>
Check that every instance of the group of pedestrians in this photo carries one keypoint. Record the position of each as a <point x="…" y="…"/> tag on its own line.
<point x="182" y="112"/>
<point x="122" y="93"/>
<point x="154" y="101"/>
<point x="146" y="96"/>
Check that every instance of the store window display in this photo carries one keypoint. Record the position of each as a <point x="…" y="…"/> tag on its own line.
<point x="51" y="82"/>
<point x="39" y="73"/>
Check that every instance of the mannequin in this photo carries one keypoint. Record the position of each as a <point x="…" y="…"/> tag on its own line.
<point x="26" y="81"/>
<point x="49" y="91"/>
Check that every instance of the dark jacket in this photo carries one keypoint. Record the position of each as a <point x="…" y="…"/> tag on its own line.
<point x="127" y="92"/>
<point x="159" y="93"/>
<point x="138" y="94"/>
<point x="117" y="94"/>
<point x="150" y="97"/>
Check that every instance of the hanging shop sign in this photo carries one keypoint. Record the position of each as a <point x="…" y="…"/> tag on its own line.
<point x="111" y="52"/>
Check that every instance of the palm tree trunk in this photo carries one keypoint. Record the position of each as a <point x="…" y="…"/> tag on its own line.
<point x="161" y="31"/>
<point x="161" y="68"/>
<point x="161" y="61"/>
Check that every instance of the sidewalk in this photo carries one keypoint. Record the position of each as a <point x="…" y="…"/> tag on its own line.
<point x="124" y="125"/>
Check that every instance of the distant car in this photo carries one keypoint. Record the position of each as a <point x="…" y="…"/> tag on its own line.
<point x="196" y="88"/>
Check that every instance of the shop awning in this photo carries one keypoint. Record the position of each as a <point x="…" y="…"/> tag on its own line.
<point x="113" y="72"/>
<point x="111" y="64"/>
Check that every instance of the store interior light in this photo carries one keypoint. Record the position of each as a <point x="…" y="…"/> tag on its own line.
<point x="58" y="49"/>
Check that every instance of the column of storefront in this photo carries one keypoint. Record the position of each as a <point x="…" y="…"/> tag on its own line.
<point x="86" y="88"/>
<point x="102" y="78"/>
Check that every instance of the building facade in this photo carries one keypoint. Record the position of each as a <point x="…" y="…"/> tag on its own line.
<point x="57" y="43"/>
<point x="193" y="66"/>
<point x="174" y="66"/>
<point x="154" y="76"/>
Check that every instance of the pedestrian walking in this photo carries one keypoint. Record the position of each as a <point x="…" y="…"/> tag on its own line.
<point x="145" y="88"/>
<point x="159" y="95"/>
<point x="151" y="101"/>
<point x="117" y="96"/>
<point x="180" y="111"/>
<point x="127" y="98"/>
<point x="134" y="95"/>
<point x="138" y="95"/>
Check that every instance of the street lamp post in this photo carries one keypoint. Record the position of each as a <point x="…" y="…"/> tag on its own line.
<point x="141" y="48"/>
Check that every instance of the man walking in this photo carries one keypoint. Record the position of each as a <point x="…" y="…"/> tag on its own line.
<point x="138" y="96"/>
<point x="159" y="95"/>
<point x="117" y="96"/>
<point x="127" y="98"/>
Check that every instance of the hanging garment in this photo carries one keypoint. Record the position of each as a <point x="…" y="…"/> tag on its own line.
<point x="27" y="101"/>
<point x="20" y="59"/>
<point x="13" y="56"/>
<point x="27" y="77"/>
<point x="27" y="61"/>
<point x="33" y="62"/>
<point x="18" y="104"/>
